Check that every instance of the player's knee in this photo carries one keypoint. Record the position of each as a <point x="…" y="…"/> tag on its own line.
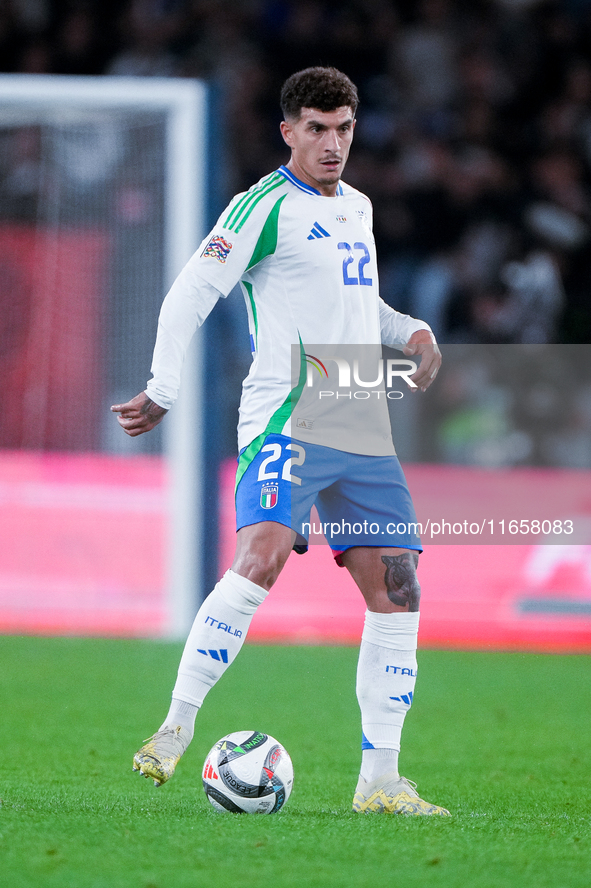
<point x="259" y="569"/>
<point x="261" y="552"/>
<point x="402" y="584"/>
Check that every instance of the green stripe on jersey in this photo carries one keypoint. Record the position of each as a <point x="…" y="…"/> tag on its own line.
<point x="267" y="242"/>
<point x="246" y="197"/>
<point x="277" y="421"/>
<point x="247" y="211"/>
<point x="265" y="246"/>
<point x="241" y="212"/>
<point x="248" y="288"/>
<point x="243" y="201"/>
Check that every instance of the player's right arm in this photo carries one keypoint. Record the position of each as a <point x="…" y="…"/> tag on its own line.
<point x="187" y="304"/>
<point x="211" y="273"/>
<point x="139" y="415"/>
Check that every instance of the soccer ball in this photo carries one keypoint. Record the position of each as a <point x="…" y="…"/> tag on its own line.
<point x="248" y="772"/>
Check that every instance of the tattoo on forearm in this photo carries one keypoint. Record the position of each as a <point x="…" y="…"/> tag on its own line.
<point x="401" y="580"/>
<point x="153" y="410"/>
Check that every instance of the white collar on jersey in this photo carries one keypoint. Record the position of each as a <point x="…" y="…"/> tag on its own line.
<point x="302" y="185"/>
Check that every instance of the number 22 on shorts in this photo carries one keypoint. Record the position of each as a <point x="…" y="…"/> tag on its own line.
<point x="275" y="455"/>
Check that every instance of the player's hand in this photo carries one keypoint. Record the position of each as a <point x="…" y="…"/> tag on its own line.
<point x="139" y="415"/>
<point x="423" y="343"/>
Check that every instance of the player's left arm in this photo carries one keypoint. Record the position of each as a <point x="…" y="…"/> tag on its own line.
<point x="415" y="338"/>
<point x="423" y="343"/>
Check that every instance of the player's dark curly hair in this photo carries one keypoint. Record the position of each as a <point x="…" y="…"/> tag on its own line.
<point x="324" y="88"/>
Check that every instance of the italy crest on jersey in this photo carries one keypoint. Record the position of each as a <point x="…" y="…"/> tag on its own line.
<point x="269" y="494"/>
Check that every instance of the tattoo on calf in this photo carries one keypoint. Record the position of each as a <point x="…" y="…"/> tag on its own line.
<point x="401" y="581"/>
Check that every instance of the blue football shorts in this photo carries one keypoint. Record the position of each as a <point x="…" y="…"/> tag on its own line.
<point x="361" y="500"/>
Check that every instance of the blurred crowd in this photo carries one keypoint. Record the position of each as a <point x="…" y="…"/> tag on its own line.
<point x="507" y="405"/>
<point x="473" y="137"/>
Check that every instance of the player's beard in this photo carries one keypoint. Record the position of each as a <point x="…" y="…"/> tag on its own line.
<point x="328" y="180"/>
<point x="333" y="177"/>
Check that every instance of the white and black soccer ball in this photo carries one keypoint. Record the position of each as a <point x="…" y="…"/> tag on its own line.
<point x="248" y="772"/>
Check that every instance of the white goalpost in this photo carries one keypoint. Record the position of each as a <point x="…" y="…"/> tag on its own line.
<point x="152" y="132"/>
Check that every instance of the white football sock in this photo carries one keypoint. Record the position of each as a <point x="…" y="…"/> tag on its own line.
<point x="214" y="641"/>
<point x="181" y="713"/>
<point x="386" y="676"/>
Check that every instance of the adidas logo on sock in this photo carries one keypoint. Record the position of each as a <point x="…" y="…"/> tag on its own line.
<point x="404" y="698"/>
<point x="221" y="655"/>
<point x="318" y="231"/>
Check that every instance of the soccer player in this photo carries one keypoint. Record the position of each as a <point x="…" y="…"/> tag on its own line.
<point x="300" y="244"/>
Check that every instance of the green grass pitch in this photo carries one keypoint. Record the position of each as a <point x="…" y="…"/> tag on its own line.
<point x="502" y="740"/>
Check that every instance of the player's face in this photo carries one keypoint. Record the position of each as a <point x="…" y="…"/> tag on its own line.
<point x="320" y="143"/>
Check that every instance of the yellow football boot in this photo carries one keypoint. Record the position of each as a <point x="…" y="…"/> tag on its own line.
<point x="391" y="794"/>
<point x="161" y="753"/>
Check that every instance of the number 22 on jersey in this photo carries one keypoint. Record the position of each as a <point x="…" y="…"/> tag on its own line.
<point x="357" y="261"/>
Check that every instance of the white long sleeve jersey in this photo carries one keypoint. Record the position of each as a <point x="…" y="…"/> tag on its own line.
<point x="307" y="267"/>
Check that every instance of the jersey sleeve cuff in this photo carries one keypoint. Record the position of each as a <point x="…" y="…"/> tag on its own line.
<point x="158" y="397"/>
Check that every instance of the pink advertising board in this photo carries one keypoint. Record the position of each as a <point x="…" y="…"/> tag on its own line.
<point x="82" y="551"/>
<point x="82" y="544"/>
<point x="502" y="596"/>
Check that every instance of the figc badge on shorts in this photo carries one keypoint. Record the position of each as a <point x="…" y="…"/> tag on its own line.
<point x="269" y="494"/>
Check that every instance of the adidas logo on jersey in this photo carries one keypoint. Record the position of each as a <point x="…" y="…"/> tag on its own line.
<point x="318" y="231"/>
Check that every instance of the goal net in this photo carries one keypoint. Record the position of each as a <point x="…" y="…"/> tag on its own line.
<point x="101" y="203"/>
